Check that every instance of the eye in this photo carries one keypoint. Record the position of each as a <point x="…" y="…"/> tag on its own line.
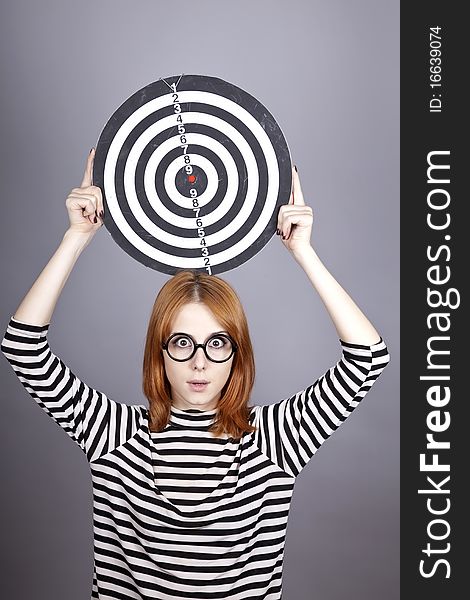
<point x="218" y="342"/>
<point x="181" y="341"/>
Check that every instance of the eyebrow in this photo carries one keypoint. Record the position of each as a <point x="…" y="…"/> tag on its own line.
<point x="210" y="335"/>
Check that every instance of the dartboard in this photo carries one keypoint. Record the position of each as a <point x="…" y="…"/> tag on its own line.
<point x="192" y="170"/>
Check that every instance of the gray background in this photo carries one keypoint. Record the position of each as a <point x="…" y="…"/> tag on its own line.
<point x="328" y="70"/>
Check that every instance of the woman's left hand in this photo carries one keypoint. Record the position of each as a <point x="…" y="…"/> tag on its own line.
<point x="295" y="220"/>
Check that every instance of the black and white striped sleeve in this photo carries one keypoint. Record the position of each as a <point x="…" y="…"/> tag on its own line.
<point x="96" y="423"/>
<point x="291" y="431"/>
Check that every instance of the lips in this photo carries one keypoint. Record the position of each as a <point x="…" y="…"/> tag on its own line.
<point x="198" y="386"/>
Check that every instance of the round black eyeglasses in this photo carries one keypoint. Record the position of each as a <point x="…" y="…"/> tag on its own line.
<point x="218" y="348"/>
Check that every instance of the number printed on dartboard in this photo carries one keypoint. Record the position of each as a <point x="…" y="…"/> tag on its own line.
<point x="188" y="168"/>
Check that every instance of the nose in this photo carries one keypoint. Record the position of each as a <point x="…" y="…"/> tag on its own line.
<point x="199" y="359"/>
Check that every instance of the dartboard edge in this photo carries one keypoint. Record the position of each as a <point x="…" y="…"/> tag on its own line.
<point x="192" y="170"/>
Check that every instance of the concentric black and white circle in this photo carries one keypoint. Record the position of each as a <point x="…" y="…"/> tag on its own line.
<point x="213" y="216"/>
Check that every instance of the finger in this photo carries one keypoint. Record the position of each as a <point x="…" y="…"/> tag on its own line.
<point x="298" y="197"/>
<point x="98" y="195"/>
<point x="287" y="228"/>
<point x="88" y="175"/>
<point x="284" y="224"/>
<point x="86" y="205"/>
<point x="82" y="198"/>
<point x="93" y="192"/>
<point x="292" y="219"/>
<point x="100" y="204"/>
<point x="282" y="219"/>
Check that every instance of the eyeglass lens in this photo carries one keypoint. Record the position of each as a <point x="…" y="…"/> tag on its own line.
<point x="181" y="347"/>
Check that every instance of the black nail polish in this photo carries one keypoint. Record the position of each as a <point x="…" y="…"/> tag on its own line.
<point x="295" y="167"/>
<point x="95" y="220"/>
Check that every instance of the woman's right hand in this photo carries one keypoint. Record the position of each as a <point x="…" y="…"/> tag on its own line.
<point x="85" y="203"/>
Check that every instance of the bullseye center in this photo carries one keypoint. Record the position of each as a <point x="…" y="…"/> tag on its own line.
<point x="191" y="178"/>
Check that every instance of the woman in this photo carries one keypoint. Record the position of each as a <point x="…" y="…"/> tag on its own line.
<point x="191" y="495"/>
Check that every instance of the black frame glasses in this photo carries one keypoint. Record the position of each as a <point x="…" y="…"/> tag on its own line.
<point x="203" y="346"/>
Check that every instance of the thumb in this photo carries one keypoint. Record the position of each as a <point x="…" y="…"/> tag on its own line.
<point x="88" y="175"/>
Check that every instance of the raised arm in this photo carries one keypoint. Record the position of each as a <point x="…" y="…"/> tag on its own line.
<point x="291" y="431"/>
<point x="95" y="422"/>
<point x="295" y="222"/>
<point x="84" y="205"/>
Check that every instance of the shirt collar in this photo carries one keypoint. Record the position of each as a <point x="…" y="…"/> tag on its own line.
<point x="192" y="417"/>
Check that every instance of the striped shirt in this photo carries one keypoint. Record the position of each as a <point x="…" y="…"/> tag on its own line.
<point x="180" y="514"/>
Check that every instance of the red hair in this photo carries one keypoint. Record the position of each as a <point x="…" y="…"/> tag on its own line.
<point x="219" y="297"/>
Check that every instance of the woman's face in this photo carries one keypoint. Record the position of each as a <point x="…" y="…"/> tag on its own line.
<point x="198" y="321"/>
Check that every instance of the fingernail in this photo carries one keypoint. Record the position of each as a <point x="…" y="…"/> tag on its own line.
<point x="295" y="167"/>
<point x="101" y="213"/>
<point x="95" y="219"/>
<point x="92" y="149"/>
<point x="277" y="231"/>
